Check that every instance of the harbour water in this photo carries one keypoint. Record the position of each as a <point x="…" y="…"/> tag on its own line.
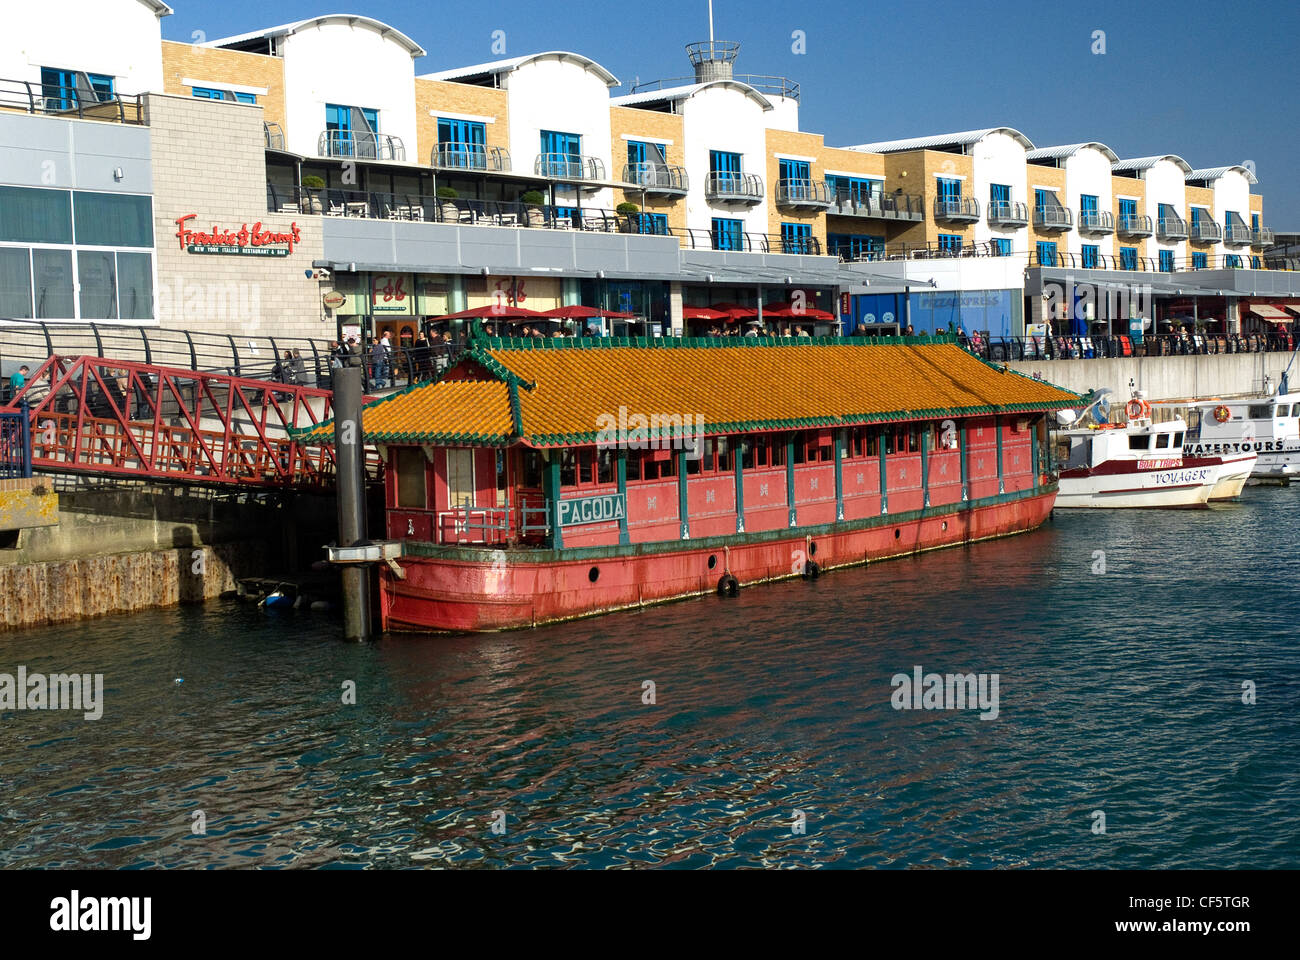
<point x="1119" y="692"/>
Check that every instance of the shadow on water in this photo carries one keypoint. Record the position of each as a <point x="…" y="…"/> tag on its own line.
<point x="1119" y="692"/>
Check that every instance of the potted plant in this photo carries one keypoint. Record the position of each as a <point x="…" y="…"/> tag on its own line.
<point x="311" y="201"/>
<point x="450" y="212"/>
<point x="628" y="211"/>
<point x="532" y="201"/>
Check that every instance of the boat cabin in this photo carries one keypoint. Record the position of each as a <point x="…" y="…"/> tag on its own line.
<point x="566" y="444"/>
<point x="1140" y="440"/>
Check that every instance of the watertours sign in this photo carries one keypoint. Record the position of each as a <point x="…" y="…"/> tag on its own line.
<point x="601" y="509"/>
<point x="254" y="241"/>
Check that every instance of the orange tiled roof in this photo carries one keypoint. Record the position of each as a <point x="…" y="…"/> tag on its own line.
<point x="555" y="392"/>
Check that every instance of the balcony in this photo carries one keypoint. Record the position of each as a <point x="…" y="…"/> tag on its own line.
<point x="361" y="145"/>
<point x="744" y="242"/>
<point x="1237" y="235"/>
<point x="1263" y="237"/>
<point x="803" y="193"/>
<point x="1054" y="217"/>
<point x="1171" y="228"/>
<point x="54" y="101"/>
<point x="657" y="179"/>
<point x="569" y="168"/>
<point x="474" y="157"/>
<point x="274" y="135"/>
<point x="1206" y="230"/>
<point x="1097" y="222"/>
<point x="734" y="188"/>
<point x="1008" y="213"/>
<point x="1134" y="225"/>
<point x="959" y="210"/>
<point x="879" y="206"/>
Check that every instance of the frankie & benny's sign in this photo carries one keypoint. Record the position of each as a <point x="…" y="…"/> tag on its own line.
<point x="246" y="241"/>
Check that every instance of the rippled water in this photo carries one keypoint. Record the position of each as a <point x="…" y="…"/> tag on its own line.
<point x="1119" y="692"/>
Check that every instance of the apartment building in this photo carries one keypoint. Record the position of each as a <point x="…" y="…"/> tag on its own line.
<point x="313" y="174"/>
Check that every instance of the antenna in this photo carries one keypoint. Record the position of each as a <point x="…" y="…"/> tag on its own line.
<point x="710" y="21"/>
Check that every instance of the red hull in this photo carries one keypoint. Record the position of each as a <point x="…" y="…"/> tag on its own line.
<point x="485" y="590"/>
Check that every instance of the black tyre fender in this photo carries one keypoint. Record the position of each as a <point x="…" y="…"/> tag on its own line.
<point x="728" y="586"/>
<point x="811" y="571"/>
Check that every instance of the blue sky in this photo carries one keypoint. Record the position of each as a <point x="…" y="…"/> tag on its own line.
<point x="1211" y="81"/>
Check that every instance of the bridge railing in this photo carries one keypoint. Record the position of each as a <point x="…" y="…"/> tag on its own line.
<point x="15" y="443"/>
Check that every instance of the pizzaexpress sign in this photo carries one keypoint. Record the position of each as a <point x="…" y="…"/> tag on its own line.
<point x="602" y="509"/>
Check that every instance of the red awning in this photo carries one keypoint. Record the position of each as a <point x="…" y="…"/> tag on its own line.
<point x="495" y="311"/>
<point x="580" y="312"/>
<point x="704" y="313"/>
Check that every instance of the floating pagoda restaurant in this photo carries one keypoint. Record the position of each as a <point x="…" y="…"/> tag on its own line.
<point x="540" y="480"/>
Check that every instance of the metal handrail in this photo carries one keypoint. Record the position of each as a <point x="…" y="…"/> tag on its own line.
<point x="566" y="166"/>
<point x="657" y="177"/>
<point x="274" y="135"/>
<point x="734" y="186"/>
<point x="793" y="192"/>
<point x="470" y="156"/>
<point x="1134" y="225"/>
<point x="1262" y="237"/>
<point x="959" y="208"/>
<point x="749" y="242"/>
<point x="360" y="144"/>
<point x="29" y="97"/>
<point x="1096" y="221"/>
<point x="1236" y="233"/>
<point x="887" y="206"/>
<point x="1171" y="228"/>
<point x="764" y="83"/>
<point x="1206" y="230"/>
<point x="1008" y="211"/>
<point x="1105" y="346"/>
<point x="1053" y="217"/>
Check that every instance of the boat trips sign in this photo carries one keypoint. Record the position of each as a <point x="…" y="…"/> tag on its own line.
<point x="602" y="509"/>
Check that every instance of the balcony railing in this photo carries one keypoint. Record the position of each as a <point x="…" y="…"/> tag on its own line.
<point x="960" y="209"/>
<point x="36" y="98"/>
<point x="569" y="167"/>
<point x="1096" y="222"/>
<point x="1008" y="213"/>
<point x="748" y="242"/>
<point x="274" y="135"/>
<point x="1171" y="228"/>
<point x="734" y="187"/>
<point x="763" y="83"/>
<point x="361" y="145"/>
<point x="1053" y="218"/>
<point x="1263" y="237"/>
<point x="1237" y="234"/>
<point x="883" y="206"/>
<point x="803" y="193"/>
<point x="657" y="178"/>
<point x="470" y="156"/>
<point x="1206" y="230"/>
<point x="1133" y="225"/>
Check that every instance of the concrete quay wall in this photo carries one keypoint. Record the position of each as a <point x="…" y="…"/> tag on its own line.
<point x="1167" y="378"/>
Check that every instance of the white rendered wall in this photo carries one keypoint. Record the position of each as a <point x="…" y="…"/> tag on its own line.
<point x="784" y="114"/>
<point x="118" y="38"/>
<point x="722" y="118"/>
<point x="1088" y="171"/>
<point x="1166" y="184"/>
<point x="999" y="158"/>
<point x="1232" y="192"/>
<point x="351" y="66"/>
<point x="550" y="94"/>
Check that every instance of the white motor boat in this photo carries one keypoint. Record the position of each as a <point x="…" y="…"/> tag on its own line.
<point x="1141" y="463"/>
<point x="1266" y="426"/>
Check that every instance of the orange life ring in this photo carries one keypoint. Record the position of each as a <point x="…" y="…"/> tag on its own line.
<point x="1137" y="409"/>
<point x="1222" y="414"/>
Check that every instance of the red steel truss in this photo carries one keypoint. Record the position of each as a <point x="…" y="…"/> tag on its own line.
<point x="118" y="417"/>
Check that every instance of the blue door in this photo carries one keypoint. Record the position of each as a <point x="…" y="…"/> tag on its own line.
<point x="461" y="143"/>
<point x="796" y="238"/>
<point x="561" y="154"/>
<point x="796" y="177"/>
<point x="724" y="168"/>
<point x="727" y="234"/>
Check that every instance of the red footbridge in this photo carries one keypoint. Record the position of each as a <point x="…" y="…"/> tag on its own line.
<point x="153" y="404"/>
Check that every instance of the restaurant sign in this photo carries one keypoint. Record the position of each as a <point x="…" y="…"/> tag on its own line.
<point x="254" y="241"/>
<point x="601" y="509"/>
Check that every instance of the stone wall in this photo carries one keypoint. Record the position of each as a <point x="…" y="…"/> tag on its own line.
<point x="1167" y="378"/>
